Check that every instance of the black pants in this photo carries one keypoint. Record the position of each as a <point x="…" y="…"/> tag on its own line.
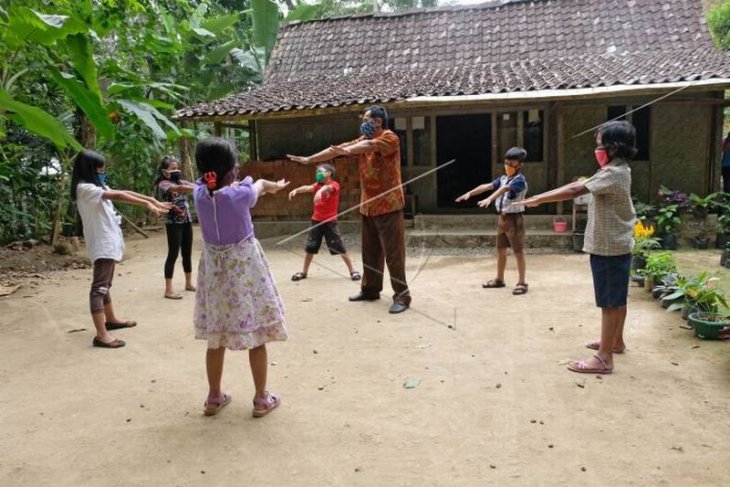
<point x="179" y="237"/>
<point x="726" y="179"/>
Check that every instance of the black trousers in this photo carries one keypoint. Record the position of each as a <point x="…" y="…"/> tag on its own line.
<point x="179" y="238"/>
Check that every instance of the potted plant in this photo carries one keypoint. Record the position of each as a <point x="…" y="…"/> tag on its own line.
<point x="711" y="315"/>
<point x="658" y="266"/>
<point x="723" y="229"/>
<point x="644" y="211"/>
<point x="700" y="206"/>
<point x="725" y="256"/>
<point x="644" y="241"/>
<point x="667" y="222"/>
<point x="685" y="294"/>
<point x="666" y="288"/>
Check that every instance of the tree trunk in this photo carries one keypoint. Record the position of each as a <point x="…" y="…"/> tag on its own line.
<point x="186" y="163"/>
<point x="85" y="131"/>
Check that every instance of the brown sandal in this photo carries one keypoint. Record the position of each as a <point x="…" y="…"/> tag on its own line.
<point x="494" y="283"/>
<point x="520" y="289"/>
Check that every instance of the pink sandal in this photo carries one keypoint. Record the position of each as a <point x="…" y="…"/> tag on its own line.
<point x="581" y="366"/>
<point x="264" y="405"/>
<point x="213" y="405"/>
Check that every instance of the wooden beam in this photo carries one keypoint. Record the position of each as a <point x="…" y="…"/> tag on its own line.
<point x="561" y="153"/>
<point x="409" y="144"/>
<point x="218" y="129"/>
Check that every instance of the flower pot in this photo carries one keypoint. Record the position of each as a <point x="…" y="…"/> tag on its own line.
<point x="706" y="328"/>
<point x="648" y="283"/>
<point x="669" y="242"/>
<point x="701" y="242"/>
<point x="578" y="239"/>
<point x="657" y="292"/>
<point x="724" y="257"/>
<point x="727" y="263"/>
<point x="688" y="310"/>
<point x="638" y="262"/>
<point x="722" y="240"/>
<point x="560" y="224"/>
<point x="699" y="212"/>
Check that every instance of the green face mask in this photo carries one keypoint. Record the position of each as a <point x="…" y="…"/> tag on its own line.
<point x="320" y="177"/>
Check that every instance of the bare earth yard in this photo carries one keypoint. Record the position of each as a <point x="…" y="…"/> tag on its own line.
<point x="494" y="405"/>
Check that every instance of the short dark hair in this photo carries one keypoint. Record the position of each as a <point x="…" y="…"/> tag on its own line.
<point x="376" y="111"/>
<point x="618" y="138"/>
<point x="329" y="168"/>
<point x="516" y="154"/>
<point x="215" y="155"/>
<point x="85" y="165"/>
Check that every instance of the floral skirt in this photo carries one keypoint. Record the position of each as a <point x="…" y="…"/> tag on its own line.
<point x="237" y="305"/>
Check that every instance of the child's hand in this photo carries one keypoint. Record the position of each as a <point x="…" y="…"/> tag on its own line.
<point x="156" y="209"/>
<point x="164" y="205"/>
<point x="299" y="159"/>
<point x="292" y="194"/>
<point x="279" y="185"/>
<point x="484" y="203"/>
<point x="463" y="197"/>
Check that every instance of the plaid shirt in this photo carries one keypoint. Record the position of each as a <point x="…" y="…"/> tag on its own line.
<point x="610" y="229"/>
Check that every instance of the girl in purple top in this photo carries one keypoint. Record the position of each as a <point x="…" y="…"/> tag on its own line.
<point x="237" y="305"/>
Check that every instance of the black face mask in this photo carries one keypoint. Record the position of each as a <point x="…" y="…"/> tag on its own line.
<point x="175" y="176"/>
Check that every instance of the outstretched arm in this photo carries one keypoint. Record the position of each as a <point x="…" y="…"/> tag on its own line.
<point x="563" y="193"/>
<point x="264" y="186"/>
<point x="301" y="189"/>
<point x="488" y="201"/>
<point x="478" y="190"/>
<point x="134" y="199"/>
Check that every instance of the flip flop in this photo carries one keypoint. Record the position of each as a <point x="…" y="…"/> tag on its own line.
<point x="116" y="343"/>
<point x="595" y="344"/>
<point x="190" y="288"/>
<point x="581" y="367"/>
<point x="213" y="405"/>
<point x="520" y="289"/>
<point x="355" y="276"/>
<point x="298" y="276"/>
<point x="118" y="326"/>
<point x="494" y="283"/>
<point x="173" y="296"/>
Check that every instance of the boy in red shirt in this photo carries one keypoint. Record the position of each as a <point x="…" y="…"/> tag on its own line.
<point x="324" y="220"/>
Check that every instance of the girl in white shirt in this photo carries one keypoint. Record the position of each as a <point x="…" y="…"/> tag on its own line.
<point x="103" y="236"/>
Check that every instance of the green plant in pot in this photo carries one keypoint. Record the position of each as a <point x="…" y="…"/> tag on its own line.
<point x="712" y="312"/>
<point x="723" y="228"/>
<point x="644" y="241"/>
<point x="686" y="290"/>
<point x="665" y="288"/>
<point x="667" y="222"/>
<point x="658" y="266"/>
<point x="700" y="205"/>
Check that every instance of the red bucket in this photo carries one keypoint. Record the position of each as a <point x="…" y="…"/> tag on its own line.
<point x="560" y="224"/>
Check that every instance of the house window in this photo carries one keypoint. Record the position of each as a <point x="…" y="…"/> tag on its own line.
<point x="641" y="120"/>
<point x="532" y="134"/>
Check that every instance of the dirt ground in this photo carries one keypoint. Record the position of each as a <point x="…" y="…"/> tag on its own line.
<point x="494" y="405"/>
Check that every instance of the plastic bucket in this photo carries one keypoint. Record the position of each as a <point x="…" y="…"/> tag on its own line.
<point x="560" y="224"/>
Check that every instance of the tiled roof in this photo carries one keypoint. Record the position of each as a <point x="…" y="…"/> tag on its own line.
<point x="519" y="46"/>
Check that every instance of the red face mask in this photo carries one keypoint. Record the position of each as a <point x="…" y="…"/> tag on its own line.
<point x="601" y="156"/>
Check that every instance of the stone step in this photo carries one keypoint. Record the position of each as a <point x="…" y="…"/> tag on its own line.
<point x="482" y="222"/>
<point x="474" y="238"/>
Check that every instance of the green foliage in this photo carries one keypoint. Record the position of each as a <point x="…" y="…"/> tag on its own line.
<point x="668" y="219"/>
<point x="718" y="20"/>
<point x="659" y="265"/>
<point x="120" y="67"/>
